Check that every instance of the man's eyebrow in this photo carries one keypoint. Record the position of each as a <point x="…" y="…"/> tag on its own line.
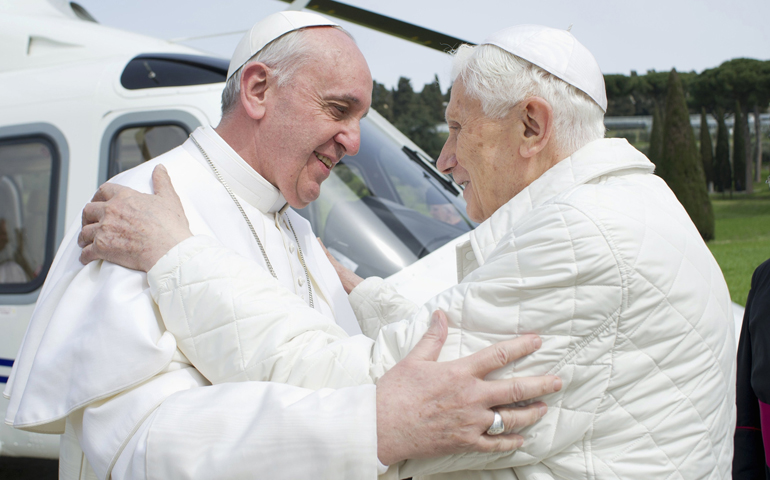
<point x="345" y="98"/>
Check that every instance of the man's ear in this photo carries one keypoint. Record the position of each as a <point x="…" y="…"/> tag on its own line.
<point x="537" y="116"/>
<point x="256" y="81"/>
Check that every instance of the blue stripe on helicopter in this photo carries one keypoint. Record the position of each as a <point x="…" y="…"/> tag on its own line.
<point x="3" y="379"/>
<point x="5" y="362"/>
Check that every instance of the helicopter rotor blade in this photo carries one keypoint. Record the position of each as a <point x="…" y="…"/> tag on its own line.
<point x="381" y="23"/>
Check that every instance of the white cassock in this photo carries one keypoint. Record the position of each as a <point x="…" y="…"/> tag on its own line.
<point x="97" y="358"/>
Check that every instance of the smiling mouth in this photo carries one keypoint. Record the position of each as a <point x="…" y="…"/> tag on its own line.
<point x="325" y="160"/>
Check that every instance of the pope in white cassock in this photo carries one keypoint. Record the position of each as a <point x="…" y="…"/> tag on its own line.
<point x="98" y="365"/>
<point x="579" y="243"/>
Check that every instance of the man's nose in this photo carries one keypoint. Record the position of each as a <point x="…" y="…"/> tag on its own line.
<point x="447" y="160"/>
<point x="350" y="138"/>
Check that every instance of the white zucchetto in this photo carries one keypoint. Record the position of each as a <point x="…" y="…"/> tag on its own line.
<point x="269" y="29"/>
<point x="557" y="52"/>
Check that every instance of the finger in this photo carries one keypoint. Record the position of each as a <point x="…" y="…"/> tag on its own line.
<point x="512" y="390"/>
<point x="323" y="247"/>
<point x="161" y="183"/>
<point x="516" y="418"/>
<point x="501" y="354"/>
<point x="86" y="235"/>
<point x="430" y="344"/>
<point x="106" y="191"/>
<point x="337" y="265"/>
<point x="92" y="213"/>
<point x="87" y="255"/>
<point x="499" y="443"/>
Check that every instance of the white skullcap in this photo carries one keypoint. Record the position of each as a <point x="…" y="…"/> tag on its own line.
<point x="557" y="52"/>
<point x="269" y="29"/>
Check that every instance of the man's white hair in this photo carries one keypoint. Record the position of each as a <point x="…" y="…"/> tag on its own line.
<point x="500" y="80"/>
<point x="284" y="55"/>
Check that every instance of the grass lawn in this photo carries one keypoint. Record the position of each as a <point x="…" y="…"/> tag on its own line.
<point x="742" y="237"/>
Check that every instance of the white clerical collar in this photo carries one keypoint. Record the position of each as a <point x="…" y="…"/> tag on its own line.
<point x="242" y="179"/>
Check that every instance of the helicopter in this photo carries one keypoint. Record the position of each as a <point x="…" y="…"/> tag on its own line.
<point x="82" y="102"/>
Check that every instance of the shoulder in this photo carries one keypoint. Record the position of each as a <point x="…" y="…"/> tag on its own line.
<point x="554" y="245"/>
<point x="636" y="213"/>
<point x="178" y="161"/>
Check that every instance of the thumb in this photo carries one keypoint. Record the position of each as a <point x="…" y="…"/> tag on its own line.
<point x="161" y="182"/>
<point x="430" y="344"/>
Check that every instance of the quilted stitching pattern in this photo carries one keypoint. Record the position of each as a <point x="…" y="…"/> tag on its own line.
<point x="230" y="334"/>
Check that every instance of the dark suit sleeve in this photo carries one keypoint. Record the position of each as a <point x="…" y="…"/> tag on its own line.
<point x="752" y="433"/>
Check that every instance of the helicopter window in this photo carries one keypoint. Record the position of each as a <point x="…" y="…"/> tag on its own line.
<point x="172" y="70"/>
<point x="380" y="210"/>
<point x="28" y="192"/>
<point x="137" y="144"/>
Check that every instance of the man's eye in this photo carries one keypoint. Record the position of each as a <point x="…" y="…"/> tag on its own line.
<point x="341" y="109"/>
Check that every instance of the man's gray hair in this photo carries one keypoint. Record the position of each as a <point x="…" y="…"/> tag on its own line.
<point x="500" y="80"/>
<point x="284" y="55"/>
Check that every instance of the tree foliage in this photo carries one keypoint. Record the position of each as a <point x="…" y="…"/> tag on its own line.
<point x="416" y="115"/>
<point x="382" y="101"/>
<point x="743" y="80"/>
<point x="723" y="180"/>
<point x="680" y="164"/>
<point x="638" y="94"/>
<point x="655" y="153"/>
<point x="739" y="150"/>
<point x="706" y="148"/>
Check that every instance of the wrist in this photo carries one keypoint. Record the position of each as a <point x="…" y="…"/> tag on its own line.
<point x="388" y="442"/>
<point x="155" y="254"/>
<point x="350" y="281"/>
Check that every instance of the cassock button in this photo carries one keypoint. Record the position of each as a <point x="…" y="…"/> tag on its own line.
<point x="291" y="247"/>
<point x="300" y="281"/>
<point x="469" y="255"/>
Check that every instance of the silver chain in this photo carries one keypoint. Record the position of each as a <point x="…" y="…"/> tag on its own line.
<point x="302" y="261"/>
<point x="251" y="227"/>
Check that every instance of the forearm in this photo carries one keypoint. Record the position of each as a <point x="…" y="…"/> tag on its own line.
<point x="237" y="323"/>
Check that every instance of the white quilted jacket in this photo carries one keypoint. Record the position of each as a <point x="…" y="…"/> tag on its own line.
<point x="597" y="257"/>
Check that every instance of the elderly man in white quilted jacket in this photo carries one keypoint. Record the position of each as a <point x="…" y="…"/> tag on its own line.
<point x="579" y="242"/>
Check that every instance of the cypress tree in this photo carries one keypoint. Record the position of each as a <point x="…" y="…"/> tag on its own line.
<point x="655" y="152"/>
<point x="739" y="150"/>
<point x="433" y="99"/>
<point x="723" y="180"/>
<point x="403" y="100"/>
<point x="680" y="165"/>
<point x="706" y="149"/>
<point x="382" y="100"/>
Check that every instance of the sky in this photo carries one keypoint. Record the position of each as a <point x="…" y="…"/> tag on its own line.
<point x="623" y="36"/>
